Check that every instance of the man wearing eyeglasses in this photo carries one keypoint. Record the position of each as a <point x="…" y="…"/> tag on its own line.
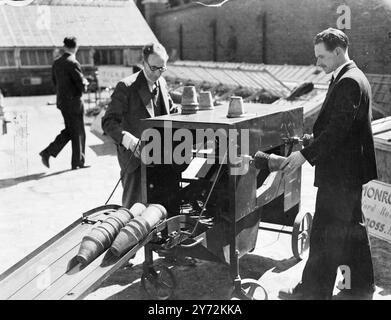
<point x="142" y="95"/>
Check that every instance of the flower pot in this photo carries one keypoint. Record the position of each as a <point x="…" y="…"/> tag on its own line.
<point x="89" y="249"/>
<point x="124" y="241"/>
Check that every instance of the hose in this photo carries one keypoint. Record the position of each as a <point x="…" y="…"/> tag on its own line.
<point x="123" y="173"/>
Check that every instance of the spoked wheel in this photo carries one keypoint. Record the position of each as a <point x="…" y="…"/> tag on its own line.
<point x="301" y="234"/>
<point x="159" y="283"/>
<point x="250" y="290"/>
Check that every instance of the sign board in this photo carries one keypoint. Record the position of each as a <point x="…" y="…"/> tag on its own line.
<point x="109" y="76"/>
<point x="376" y="205"/>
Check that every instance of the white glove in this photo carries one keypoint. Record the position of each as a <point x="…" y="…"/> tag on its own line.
<point x="294" y="161"/>
<point x="85" y="84"/>
<point x="129" y="141"/>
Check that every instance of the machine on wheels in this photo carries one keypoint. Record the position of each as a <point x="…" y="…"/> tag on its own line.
<point x="215" y="198"/>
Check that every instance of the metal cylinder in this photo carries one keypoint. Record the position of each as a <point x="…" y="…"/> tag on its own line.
<point x="101" y="237"/>
<point x="137" y="229"/>
<point x="268" y="162"/>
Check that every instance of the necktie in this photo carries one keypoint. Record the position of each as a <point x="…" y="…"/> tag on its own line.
<point x="154" y="91"/>
<point x="155" y="97"/>
<point x="332" y="80"/>
<point x="330" y="84"/>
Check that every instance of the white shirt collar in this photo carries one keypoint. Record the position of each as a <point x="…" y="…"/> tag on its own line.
<point x="150" y="83"/>
<point x="338" y="70"/>
<point x="71" y="53"/>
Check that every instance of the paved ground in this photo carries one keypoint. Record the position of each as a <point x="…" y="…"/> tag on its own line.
<point x="37" y="203"/>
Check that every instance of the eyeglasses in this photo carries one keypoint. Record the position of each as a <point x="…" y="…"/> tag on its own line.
<point x="154" y="68"/>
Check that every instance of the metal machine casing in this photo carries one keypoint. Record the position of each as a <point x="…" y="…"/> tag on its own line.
<point x="267" y="125"/>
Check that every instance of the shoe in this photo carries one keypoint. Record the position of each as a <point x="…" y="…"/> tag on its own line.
<point x="295" y="293"/>
<point x="291" y="294"/>
<point x="45" y="158"/>
<point x="349" y="294"/>
<point x="301" y="293"/>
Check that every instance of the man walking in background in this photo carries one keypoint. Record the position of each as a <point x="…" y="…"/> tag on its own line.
<point x="343" y="154"/>
<point x="70" y="84"/>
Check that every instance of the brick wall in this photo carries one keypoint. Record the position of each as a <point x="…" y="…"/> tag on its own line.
<point x="276" y="31"/>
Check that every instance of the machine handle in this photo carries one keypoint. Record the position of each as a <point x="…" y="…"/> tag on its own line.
<point x="305" y="140"/>
<point x="193" y="244"/>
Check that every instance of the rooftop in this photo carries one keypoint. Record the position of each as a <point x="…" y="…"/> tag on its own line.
<point x="45" y="23"/>
<point x="278" y="80"/>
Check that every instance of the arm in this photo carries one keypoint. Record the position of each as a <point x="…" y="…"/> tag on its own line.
<point x="344" y="112"/>
<point x="54" y="77"/>
<point x="77" y="76"/>
<point x="172" y="107"/>
<point x="111" y="122"/>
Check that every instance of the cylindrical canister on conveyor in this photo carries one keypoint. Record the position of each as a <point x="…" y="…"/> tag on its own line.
<point x="138" y="228"/>
<point x="270" y="162"/>
<point x="101" y="237"/>
<point x="154" y="214"/>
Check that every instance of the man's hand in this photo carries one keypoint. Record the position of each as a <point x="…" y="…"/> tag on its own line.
<point x="294" y="161"/>
<point x="85" y="84"/>
<point x="307" y="139"/>
<point x="130" y="142"/>
<point x="137" y="152"/>
<point x="174" y="109"/>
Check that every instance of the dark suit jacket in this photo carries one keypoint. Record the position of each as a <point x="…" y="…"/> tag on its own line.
<point x="131" y="102"/>
<point x="68" y="79"/>
<point x="343" y="150"/>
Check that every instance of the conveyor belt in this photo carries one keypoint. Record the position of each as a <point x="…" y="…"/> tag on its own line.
<point x="51" y="272"/>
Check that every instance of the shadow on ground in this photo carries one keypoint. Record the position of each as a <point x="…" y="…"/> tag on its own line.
<point x="205" y="280"/>
<point x="6" y="183"/>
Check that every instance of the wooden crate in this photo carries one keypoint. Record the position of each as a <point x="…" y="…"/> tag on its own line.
<point x="382" y="137"/>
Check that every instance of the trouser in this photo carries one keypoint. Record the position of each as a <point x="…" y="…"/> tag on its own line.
<point x="74" y="132"/>
<point x="338" y="238"/>
<point x="131" y="183"/>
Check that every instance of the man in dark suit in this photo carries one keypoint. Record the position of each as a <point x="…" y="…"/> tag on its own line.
<point x="342" y="152"/>
<point x="70" y="84"/>
<point x="142" y="95"/>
